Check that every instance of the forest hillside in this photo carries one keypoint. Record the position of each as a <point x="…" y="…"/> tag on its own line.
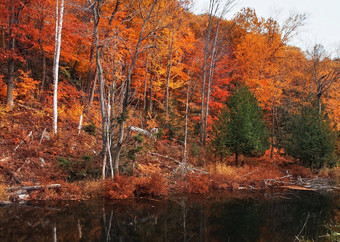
<point x="145" y="97"/>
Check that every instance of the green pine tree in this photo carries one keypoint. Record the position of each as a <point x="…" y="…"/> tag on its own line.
<point x="310" y="138"/>
<point x="240" y="128"/>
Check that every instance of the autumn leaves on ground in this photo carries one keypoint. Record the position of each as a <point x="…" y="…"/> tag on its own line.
<point x="157" y="100"/>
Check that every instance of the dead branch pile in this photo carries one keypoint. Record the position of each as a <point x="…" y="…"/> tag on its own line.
<point x="312" y="184"/>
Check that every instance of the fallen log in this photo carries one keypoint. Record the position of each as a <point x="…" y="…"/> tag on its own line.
<point x="5" y="203"/>
<point x="23" y="141"/>
<point x="192" y="169"/>
<point x="32" y="188"/>
<point x="10" y="174"/>
<point x="164" y="156"/>
<point x="250" y="173"/>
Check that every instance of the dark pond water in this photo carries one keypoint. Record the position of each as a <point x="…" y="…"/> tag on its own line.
<point x="216" y="217"/>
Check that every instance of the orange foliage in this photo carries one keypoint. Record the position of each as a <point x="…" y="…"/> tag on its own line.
<point x="126" y="187"/>
<point x="68" y="191"/>
<point x="121" y="188"/>
<point x="26" y="87"/>
<point x="196" y="183"/>
<point x="154" y="186"/>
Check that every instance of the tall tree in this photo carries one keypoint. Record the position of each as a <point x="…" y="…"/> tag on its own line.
<point x="58" y="28"/>
<point x="209" y="53"/>
<point x="14" y="12"/>
<point x="323" y="71"/>
<point x="244" y="131"/>
<point x="145" y="11"/>
<point x="310" y="138"/>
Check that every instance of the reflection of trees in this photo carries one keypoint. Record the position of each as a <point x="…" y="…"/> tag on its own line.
<point x="237" y="221"/>
<point x="305" y="216"/>
<point x="184" y="219"/>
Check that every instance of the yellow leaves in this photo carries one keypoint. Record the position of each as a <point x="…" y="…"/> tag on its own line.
<point x="149" y="168"/>
<point x="26" y="87"/>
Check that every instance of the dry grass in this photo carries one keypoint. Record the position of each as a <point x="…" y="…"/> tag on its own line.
<point x="92" y="189"/>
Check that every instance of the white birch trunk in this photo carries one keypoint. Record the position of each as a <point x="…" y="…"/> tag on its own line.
<point x="80" y="125"/>
<point x="184" y="160"/>
<point x="58" y="29"/>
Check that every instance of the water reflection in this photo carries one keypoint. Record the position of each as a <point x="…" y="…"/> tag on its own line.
<point x="250" y="217"/>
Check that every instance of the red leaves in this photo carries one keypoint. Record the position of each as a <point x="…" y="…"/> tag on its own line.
<point x="196" y="183"/>
<point x="123" y="187"/>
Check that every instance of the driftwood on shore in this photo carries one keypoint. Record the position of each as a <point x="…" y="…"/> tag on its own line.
<point x="311" y="184"/>
<point x="179" y="163"/>
<point x="32" y="188"/>
<point x="21" y="193"/>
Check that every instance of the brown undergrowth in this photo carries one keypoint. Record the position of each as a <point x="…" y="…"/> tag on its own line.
<point x="73" y="160"/>
<point x="123" y="187"/>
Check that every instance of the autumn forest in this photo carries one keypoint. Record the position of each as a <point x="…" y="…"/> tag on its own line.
<point x="144" y="97"/>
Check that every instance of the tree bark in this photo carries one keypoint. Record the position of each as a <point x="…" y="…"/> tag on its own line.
<point x="93" y="89"/>
<point x="146" y="79"/>
<point x="168" y="73"/>
<point x="211" y="74"/>
<point x="58" y="29"/>
<point x="128" y="84"/>
<point x="272" y="134"/>
<point x="184" y="160"/>
<point x="90" y="70"/>
<point x="43" y="78"/>
<point x="236" y="159"/>
<point x="151" y="94"/>
<point x="13" y="21"/>
<point x="206" y="56"/>
<point x="96" y="14"/>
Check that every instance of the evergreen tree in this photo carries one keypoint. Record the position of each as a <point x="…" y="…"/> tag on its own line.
<point x="310" y="138"/>
<point x="240" y="128"/>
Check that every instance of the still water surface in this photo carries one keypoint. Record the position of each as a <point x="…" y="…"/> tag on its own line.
<point x="215" y="217"/>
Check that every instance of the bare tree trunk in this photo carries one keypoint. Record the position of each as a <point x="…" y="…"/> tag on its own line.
<point x="184" y="160"/>
<point x="214" y="7"/>
<point x="11" y="61"/>
<point x="206" y="56"/>
<point x="124" y="112"/>
<point x="168" y="72"/>
<point x="211" y="74"/>
<point x="146" y="79"/>
<point x="43" y="78"/>
<point x="93" y="89"/>
<point x="90" y="70"/>
<point x="110" y="111"/>
<point x="58" y="29"/>
<point x="96" y="14"/>
<point x="55" y="239"/>
<point x="319" y="94"/>
<point x="236" y="159"/>
<point x="272" y="134"/>
<point x="151" y="94"/>
<point x="10" y="80"/>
